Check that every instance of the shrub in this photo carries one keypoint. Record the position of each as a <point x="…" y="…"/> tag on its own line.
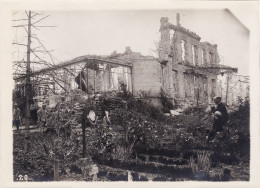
<point x="145" y="108"/>
<point x="167" y="104"/>
<point x="129" y="128"/>
<point x="145" y="95"/>
<point x="36" y="164"/>
<point x="203" y="162"/>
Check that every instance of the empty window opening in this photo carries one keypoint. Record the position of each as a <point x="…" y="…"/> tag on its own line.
<point x="172" y="33"/>
<point x="172" y="37"/>
<point x="193" y="49"/>
<point x="175" y="81"/>
<point x="211" y="57"/>
<point x="182" y="50"/>
<point x="203" y="56"/>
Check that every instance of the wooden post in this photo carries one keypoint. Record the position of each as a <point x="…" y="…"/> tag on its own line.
<point x="84" y="121"/>
<point x="80" y="77"/>
<point x="56" y="170"/>
<point x="198" y="96"/>
<point x="93" y="172"/>
<point x="83" y="140"/>
<point x="94" y="78"/>
<point x="131" y="83"/>
<point x="109" y="77"/>
<point x="221" y="89"/>
<point x="95" y="178"/>
<point x="56" y="162"/>
<point x="227" y="89"/>
<point x="27" y="87"/>
<point x="87" y="82"/>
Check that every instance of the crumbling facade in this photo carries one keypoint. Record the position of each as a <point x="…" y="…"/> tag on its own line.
<point x="188" y="64"/>
<point x="186" y="70"/>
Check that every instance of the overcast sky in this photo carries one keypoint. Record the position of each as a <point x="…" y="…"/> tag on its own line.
<point x="101" y="32"/>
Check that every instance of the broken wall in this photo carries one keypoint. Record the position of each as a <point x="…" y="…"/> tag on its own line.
<point x="183" y="52"/>
<point x="146" y="77"/>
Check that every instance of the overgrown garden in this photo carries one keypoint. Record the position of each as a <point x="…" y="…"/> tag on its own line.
<point x="140" y="140"/>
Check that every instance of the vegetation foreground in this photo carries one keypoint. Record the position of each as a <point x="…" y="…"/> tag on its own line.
<point x="140" y="141"/>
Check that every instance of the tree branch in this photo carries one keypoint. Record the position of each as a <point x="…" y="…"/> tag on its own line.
<point x="19" y="20"/>
<point x="44" y="48"/>
<point x="58" y="82"/>
<point x="34" y="27"/>
<point x="19" y="25"/>
<point x="26" y="30"/>
<point x="35" y="14"/>
<point x="41" y="19"/>
<point x="19" y="44"/>
<point x="27" y="13"/>
<point x="45" y="26"/>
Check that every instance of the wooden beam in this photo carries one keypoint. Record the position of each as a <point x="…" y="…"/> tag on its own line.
<point x="83" y="59"/>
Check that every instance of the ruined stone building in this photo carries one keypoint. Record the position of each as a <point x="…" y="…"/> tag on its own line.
<point x="186" y="70"/>
<point x="190" y="67"/>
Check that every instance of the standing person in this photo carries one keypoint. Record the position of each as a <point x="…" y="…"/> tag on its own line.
<point x="220" y="115"/>
<point x="89" y="119"/>
<point x="41" y="114"/>
<point x="16" y="116"/>
<point x="104" y="112"/>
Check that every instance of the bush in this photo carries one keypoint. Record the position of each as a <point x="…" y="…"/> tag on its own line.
<point x="145" y="108"/>
<point x="129" y="128"/>
<point x="166" y="103"/>
<point x="36" y="164"/>
<point x="203" y="163"/>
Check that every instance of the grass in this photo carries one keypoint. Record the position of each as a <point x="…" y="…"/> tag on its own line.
<point x="203" y="163"/>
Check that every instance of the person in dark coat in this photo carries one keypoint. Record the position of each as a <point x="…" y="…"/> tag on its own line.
<point x="104" y="112"/>
<point x="220" y="115"/>
<point x="42" y="117"/>
<point x="16" y="116"/>
<point x="88" y="119"/>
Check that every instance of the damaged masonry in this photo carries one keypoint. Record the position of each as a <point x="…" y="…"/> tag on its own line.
<point x="186" y="70"/>
<point x="190" y="67"/>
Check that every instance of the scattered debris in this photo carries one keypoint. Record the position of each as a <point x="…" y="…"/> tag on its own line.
<point x="174" y="113"/>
